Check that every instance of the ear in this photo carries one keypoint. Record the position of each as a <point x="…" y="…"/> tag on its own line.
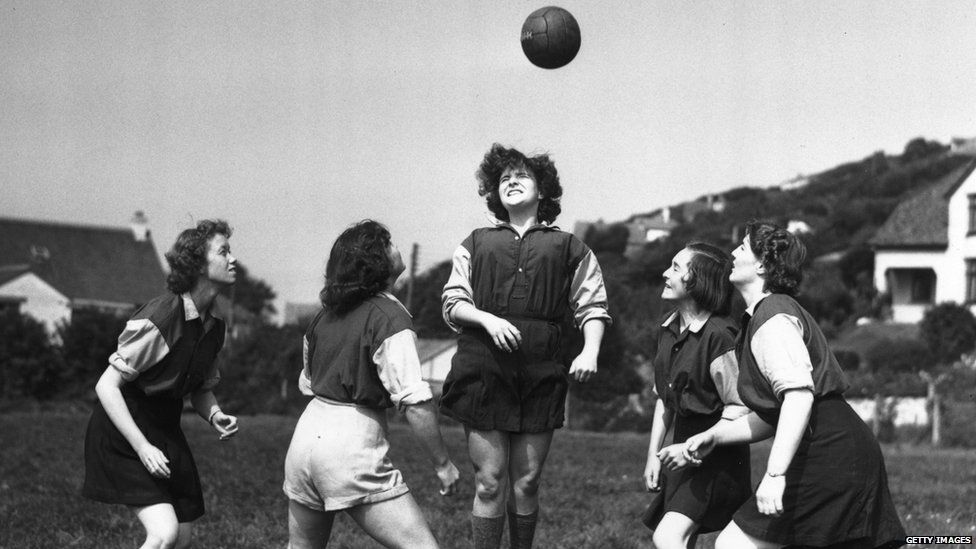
<point x="760" y="268"/>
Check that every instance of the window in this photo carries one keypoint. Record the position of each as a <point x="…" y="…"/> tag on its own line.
<point x="923" y="286"/>
<point x="970" y="280"/>
<point x="972" y="215"/>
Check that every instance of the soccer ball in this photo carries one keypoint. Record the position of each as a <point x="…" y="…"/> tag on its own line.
<point x="550" y="37"/>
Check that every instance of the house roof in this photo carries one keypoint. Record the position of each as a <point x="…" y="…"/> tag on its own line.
<point x="84" y="262"/>
<point x="429" y="348"/>
<point x="922" y="220"/>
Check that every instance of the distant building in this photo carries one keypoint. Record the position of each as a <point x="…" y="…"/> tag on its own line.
<point x="797" y="226"/>
<point x="49" y="269"/>
<point x="435" y="360"/>
<point x="925" y="253"/>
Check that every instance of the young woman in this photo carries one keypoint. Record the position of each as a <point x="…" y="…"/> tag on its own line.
<point x="695" y="376"/>
<point x="360" y="359"/>
<point x="510" y="287"/>
<point x="135" y="451"/>
<point x="825" y="481"/>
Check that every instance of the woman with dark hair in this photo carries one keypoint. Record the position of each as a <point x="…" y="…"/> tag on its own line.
<point x="135" y="450"/>
<point x="511" y="286"/>
<point x="360" y="358"/>
<point x="695" y="376"/>
<point x="825" y="482"/>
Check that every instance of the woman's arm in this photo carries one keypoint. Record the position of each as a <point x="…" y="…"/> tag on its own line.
<point x="205" y="403"/>
<point x="585" y="364"/>
<point x="110" y="396"/>
<point x="659" y="428"/>
<point x="506" y="336"/>
<point x="793" y="419"/>
<point x="422" y="418"/>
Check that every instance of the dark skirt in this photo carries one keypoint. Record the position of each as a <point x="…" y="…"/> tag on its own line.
<point x="709" y="494"/>
<point x="836" y="488"/>
<point x="114" y="473"/>
<point x="524" y="391"/>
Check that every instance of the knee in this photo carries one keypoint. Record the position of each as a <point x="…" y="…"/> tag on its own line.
<point x="488" y="485"/>
<point x="527" y="484"/>
<point x="162" y="538"/>
<point x="727" y="540"/>
<point x="668" y="540"/>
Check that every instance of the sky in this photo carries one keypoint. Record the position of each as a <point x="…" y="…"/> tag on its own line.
<point x="293" y="120"/>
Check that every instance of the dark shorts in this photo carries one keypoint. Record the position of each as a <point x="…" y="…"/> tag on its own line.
<point x="524" y="391"/>
<point x="114" y="473"/>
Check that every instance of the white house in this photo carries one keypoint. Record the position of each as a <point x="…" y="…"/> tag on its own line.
<point x="925" y="253"/>
<point x="49" y="269"/>
<point x="435" y="360"/>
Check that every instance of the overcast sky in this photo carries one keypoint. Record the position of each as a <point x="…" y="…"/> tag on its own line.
<point x="293" y="120"/>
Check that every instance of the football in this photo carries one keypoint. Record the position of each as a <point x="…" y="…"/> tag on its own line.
<point x="550" y="37"/>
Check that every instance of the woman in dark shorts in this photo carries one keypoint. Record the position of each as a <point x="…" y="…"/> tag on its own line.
<point x="695" y="376"/>
<point x="511" y="286"/>
<point x="825" y="482"/>
<point x="135" y="451"/>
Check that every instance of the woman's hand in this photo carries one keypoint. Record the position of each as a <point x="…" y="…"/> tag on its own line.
<point x="154" y="460"/>
<point x="769" y="495"/>
<point x="652" y="474"/>
<point x="224" y="424"/>
<point x="584" y="366"/>
<point x="502" y="332"/>
<point x="449" y="476"/>
<point x="700" y="445"/>
<point x="676" y="457"/>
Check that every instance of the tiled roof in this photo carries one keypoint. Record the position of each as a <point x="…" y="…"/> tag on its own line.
<point x="922" y="220"/>
<point x="83" y="262"/>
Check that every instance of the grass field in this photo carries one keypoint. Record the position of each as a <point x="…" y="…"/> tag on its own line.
<point x="592" y="489"/>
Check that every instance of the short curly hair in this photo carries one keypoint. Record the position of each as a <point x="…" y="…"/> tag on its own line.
<point x="359" y="266"/>
<point x="498" y="159"/>
<point x="781" y="253"/>
<point x="188" y="256"/>
<point x="708" y="278"/>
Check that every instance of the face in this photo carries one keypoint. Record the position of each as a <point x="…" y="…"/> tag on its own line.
<point x="220" y="263"/>
<point x="746" y="267"/>
<point x="676" y="276"/>
<point x="517" y="188"/>
<point x="396" y="262"/>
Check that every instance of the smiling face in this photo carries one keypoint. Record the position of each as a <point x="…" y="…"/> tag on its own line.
<point x="396" y="263"/>
<point x="518" y="189"/>
<point x="220" y="263"/>
<point x="746" y="267"/>
<point x="676" y="276"/>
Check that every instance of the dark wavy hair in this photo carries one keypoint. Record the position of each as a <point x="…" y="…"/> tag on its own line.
<point x="499" y="159"/>
<point x="781" y="253"/>
<point x="188" y="256"/>
<point x="708" y="278"/>
<point x="359" y="266"/>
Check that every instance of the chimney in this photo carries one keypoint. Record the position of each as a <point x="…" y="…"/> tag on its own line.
<point x="666" y="214"/>
<point x="140" y="226"/>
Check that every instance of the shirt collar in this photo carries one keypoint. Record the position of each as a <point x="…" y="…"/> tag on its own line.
<point x="190" y="311"/>
<point x="752" y="309"/>
<point x="393" y="298"/>
<point x="695" y="326"/>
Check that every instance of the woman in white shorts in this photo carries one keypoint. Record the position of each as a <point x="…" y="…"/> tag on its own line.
<point x="360" y="359"/>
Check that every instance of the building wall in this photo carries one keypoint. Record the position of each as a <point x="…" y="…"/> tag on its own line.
<point x="938" y="261"/>
<point x="907" y="410"/>
<point x="43" y="302"/>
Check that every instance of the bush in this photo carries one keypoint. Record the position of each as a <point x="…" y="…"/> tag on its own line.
<point x="849" y="360"/>
<point x="958" y="428"/>
<point x="86" y="343"/>
<point x="259" y="373"/>
<point x="897" y="356"/>
<point x="30" y="365"/>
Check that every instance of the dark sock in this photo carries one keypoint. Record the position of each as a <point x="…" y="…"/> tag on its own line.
<point x="521" y="529"/>
<point x="486" y="532"/>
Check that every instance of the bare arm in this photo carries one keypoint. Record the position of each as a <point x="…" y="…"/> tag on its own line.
<point x="585" y="365"/>
<point x="502" y="332"/>
<point x="110" y="396"/>
<point x="659" y="428"/>
<point x="205" y="404"/>
<point x="422" y="418"/>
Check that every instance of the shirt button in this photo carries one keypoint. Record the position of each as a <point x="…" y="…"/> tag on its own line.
<point x="520" y="269"/>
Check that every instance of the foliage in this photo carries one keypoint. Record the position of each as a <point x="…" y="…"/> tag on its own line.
<point x="86" y="343"/>
<point x="426" y="301"/>
<point x="30" y="365"/>
<point x="259" y="373"/>
<point x="949" y="330"/>
<point x="251" y="294"/>
<point x="610" y="239"/>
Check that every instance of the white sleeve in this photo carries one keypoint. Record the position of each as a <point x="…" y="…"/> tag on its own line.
<point x="458" y="287"/>
<point x="781" y="354"/>
<point x="398" y="366"/>
<point x="725" y="375"/>
<point x="141" y="345"/>
<point x="304" y="380"/>
<point x="587" y="294"/>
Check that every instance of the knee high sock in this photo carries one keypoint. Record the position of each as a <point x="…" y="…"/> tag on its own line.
<point x="521" y="529"/>
<point x="486" y="532"/>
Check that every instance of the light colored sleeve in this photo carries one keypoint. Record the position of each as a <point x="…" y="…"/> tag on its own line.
<point x="141" y="346"/>
<point x="725" y="374"/>
<point x="398" y="366"/>
<point x="458" y="287"/>
<point x="781" y="354"/>
<point x="304" y="380"/>
<point x="587" y="294"/>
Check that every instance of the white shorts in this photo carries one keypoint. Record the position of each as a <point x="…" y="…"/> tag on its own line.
<point x="337" y="458"/>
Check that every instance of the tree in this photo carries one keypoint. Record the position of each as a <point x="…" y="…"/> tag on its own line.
<point x="949" y="331"/>
<point x="251" y="294"/>
<point x="30" y="365"/>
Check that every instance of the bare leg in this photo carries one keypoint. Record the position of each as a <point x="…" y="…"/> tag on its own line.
<point x="675" y="531"/>
<point x="489" y="452"/>
<point x="732" y="537"/>
<point x="396" y="523"/>
<point x="162" y="528"/>
<point x="527" y="456"/>
<point x="308" y="528"/>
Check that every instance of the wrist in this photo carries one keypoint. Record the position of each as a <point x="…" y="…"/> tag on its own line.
<point x="772" y="474"/>
<point x="213" y="413"/>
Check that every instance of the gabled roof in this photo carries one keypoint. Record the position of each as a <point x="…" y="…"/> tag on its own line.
<point x="102" y="264"/>
<point x="922" y="220"/>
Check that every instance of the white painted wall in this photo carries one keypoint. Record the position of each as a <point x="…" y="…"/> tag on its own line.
<point x="907" y="410"/>
<point x="43" y="302"/>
